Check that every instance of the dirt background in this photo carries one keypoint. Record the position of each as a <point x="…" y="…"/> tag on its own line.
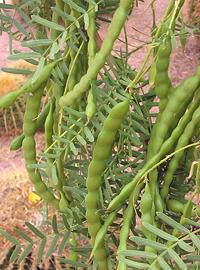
<point x="15" y="187"/>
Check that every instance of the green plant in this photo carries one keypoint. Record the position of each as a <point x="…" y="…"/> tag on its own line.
<point x="174" y="251"/>
<point x="96" y="167"/>
<point x="29" y="129"/>
<point x="99" y="60"/>
<point x="91" y="170"/>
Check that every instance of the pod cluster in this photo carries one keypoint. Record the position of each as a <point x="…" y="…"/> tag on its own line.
<point x="178" y="101"/>
<point x="29" y="130"/>
<point x="182" y="142"/>
<point x="99" y="60"/>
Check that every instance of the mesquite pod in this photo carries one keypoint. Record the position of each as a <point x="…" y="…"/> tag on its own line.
<point x="97" y="165"/>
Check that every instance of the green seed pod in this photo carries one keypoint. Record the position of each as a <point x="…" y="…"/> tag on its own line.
<point x="8" y="99"/>
<point x="102" y="231"/>
<point x="94" y="229"/>
<point x="94" y="185"/>
<point x="49" y="126"/>
<point x="16" y="143"/>
<point x="101" y="153"/>
<point x="91" y="31"/>
<point x="146" y="210"/>
<point x="175" y="206"/>
<point x="96" y="168"/>
<point x="146" y="198"/>
<point x="92" y="201"/>
<point x="104" y="139"/>
<point x="91" y="105"/>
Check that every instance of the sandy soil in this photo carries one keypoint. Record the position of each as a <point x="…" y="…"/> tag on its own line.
<point x="14" y="189"/>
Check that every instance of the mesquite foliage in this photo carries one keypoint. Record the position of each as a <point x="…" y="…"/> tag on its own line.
<point x="113" y="153"/>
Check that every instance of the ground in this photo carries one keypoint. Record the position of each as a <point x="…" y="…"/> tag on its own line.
<point x="15" y="185"/>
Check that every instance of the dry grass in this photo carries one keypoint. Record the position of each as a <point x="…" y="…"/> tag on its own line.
<point x="11" y="82"/>
<point x="15" y="206"/>
<point x="15" y="188"/>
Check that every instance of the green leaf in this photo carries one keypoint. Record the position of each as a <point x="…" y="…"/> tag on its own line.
<point x="74" y="122"/>
<point x="163" y="263"/>
<point x="73" y="149"/>
<point x="37" y="43"/>
<point x="55" y="224"/>
<point x="23" y="235"/>
<point x="63" y="243"/>
<point x="177" y="259"/>
<point x="24" y="56"/>
<point x="136" y="265"/>
<point x="195" y="240"/>
<point x="41" y="250"/>
<point x="23" y="15"/>
<point x="81" y="140"/>
<point x="17" y="71"/>
<point x="60" y="73"/>
<point x="54" y="49"/>
<point x="191" y="222"/>
<point x="139" y="127"/>
<point x="25" y="253"/>
<point x="93" y="4"/>
<point x="15" y="254"/>
<point x="20" y="27"/>
<point x="135" y="139"/>
<point x="66" y="16"/>
<point x="52" y="246"/>
<point x="138" y="253"/>
<point x="146" y="242"/>
<point x="44" y="22"/>
<point x="74" y="6"/>
<point x="184" y="246"/>
<point x="74" y="112"/>
<point x="9" y="237"/>
<point x="65" y="222"/>
<point x="172" y="223"/>
<point x="35" y="230"/>
<point x="158" y="232"/>
<point x="88" y="134"/>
